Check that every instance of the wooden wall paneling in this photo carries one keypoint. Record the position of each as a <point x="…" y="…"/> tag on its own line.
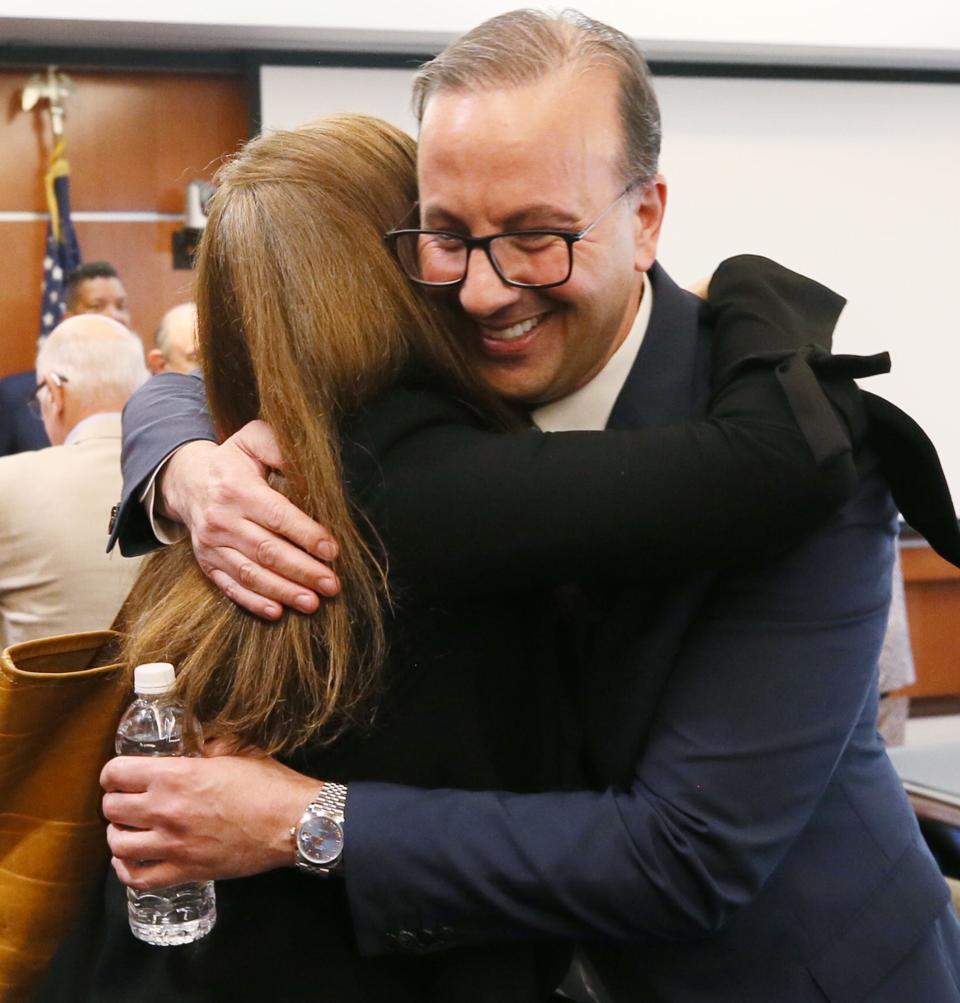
<point x="21" y="277"/>
<point x="141" y="254"/>
<point x="933" y="609"/>
<point x="135" y="140"/>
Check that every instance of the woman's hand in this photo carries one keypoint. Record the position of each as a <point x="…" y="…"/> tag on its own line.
<point x="183" y="819"/>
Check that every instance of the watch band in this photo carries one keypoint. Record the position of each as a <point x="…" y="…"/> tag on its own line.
<point x="330" y="803"/>
<point x="332" y="800"/>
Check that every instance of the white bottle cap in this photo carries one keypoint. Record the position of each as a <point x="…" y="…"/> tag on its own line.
<point x="154" y="677"/>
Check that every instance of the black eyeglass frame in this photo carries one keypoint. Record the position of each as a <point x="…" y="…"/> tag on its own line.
<point x="33" y="402"/>
<point x="570" y="237"/>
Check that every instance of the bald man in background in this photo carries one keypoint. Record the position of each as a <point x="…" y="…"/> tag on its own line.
<point x="55" y="576"/>
<point x="175" y="342"/>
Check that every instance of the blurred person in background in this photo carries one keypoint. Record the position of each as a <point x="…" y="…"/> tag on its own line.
<point x="96" y="288"/>
<point x="896" y="664"/>
<point x="92" y="288"/>
<point x="175" y="343"/>
<point x="55" y="576"/>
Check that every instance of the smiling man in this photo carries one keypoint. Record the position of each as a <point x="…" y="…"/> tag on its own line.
<point x="746" y="838"/>
<point x="553" y="166"/>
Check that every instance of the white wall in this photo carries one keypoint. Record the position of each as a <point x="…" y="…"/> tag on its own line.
<point x="853" y="183"/>
<point x="923" y="32"/>
<point x="292" y="95"/>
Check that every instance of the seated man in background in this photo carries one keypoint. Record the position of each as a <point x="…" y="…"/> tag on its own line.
<point x="92" y="288"/>
<point x="175" y="343"/>
<point x="55" y="503"/>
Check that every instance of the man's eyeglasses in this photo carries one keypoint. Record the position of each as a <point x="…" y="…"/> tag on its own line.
<point x="528" y="259"/>
<point x="33" y="405"/>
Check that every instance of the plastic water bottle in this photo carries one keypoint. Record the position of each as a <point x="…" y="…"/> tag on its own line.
<point x="157" y="724"/>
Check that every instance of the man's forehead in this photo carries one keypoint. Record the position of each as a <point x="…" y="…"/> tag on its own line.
<point x="101" y="285"/>
<point x="542" y="129"/>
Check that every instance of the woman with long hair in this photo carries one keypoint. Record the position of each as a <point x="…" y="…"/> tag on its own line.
<point x="458" y="529"/>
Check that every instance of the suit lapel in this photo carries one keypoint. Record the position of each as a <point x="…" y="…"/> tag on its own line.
<point x="642" y="627"/>
<point x="669" y="378"/>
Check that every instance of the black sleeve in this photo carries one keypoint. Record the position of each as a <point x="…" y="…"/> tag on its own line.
<point x="464" y="510"/>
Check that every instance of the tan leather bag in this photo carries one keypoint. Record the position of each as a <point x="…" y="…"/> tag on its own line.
<point x="60" y="702"/>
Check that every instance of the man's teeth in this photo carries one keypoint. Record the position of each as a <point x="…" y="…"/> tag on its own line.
<point x="512" y="333"/>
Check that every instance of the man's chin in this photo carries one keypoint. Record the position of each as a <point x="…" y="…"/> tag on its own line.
<point x="513" y="380"/>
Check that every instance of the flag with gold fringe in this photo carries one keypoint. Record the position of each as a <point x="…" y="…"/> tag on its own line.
<point x="62" y="252"/>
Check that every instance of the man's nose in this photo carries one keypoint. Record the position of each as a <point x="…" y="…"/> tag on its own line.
<point x="483" y="292"/>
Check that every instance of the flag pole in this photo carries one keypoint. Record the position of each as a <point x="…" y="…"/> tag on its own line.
<point x="62" y="252"/>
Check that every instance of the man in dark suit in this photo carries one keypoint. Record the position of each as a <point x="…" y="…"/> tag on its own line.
<point x="747" y="839"/>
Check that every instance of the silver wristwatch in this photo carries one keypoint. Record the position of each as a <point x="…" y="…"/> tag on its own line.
<point x="318" y="836"/>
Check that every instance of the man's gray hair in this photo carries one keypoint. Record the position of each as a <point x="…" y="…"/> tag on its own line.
<point x="522" y="46"/>
<point x="102" y="361"/>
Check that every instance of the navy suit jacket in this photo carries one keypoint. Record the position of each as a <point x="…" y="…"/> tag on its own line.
<point x="19" y="430"/>
<point x="749" y="839"/>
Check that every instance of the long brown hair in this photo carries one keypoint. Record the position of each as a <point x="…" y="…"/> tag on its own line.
<point x="303" y="318"/>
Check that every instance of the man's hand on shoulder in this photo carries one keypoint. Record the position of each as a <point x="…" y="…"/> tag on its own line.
<point x="254" y="544"/>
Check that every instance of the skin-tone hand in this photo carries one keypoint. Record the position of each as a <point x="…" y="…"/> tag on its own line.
<point x="201" y="819"/>
<point x="255" y="545"/>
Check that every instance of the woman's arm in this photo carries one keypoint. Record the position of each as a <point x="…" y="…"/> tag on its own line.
<point x="465" y="510"/>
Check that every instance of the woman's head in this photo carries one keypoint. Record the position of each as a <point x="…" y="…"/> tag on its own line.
<point x="296" y="287"/>
<point x="303" y="317"/>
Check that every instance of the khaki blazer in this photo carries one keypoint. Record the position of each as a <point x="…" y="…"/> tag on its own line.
<point x="55" y="574"/>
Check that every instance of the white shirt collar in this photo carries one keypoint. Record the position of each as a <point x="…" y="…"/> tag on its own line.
<point x="588" y="409"/>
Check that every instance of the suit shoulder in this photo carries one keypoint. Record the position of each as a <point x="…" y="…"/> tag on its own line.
<point x="17" y="386"/>
<point x="403" y="410"/>
<point x="21" y="464"/>
<point x="22" y="475"/>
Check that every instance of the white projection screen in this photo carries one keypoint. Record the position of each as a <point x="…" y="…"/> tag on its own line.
<point x="856" y="183"/>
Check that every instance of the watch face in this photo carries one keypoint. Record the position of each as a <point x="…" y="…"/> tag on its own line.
<point x="320" y="840"/>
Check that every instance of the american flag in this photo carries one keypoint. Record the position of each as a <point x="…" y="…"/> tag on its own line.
<point x="62" y="253"/>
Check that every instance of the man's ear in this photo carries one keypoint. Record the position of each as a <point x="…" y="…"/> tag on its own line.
<point x="58" y="395"/>
<point x="155" y="360"/>
<point x="649" y="218"/>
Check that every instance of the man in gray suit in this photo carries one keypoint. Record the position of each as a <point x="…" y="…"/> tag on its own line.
<point x="55" y="503"/>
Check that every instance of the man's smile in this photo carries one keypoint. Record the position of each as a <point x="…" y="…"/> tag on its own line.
<point x="513" y="339"/>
